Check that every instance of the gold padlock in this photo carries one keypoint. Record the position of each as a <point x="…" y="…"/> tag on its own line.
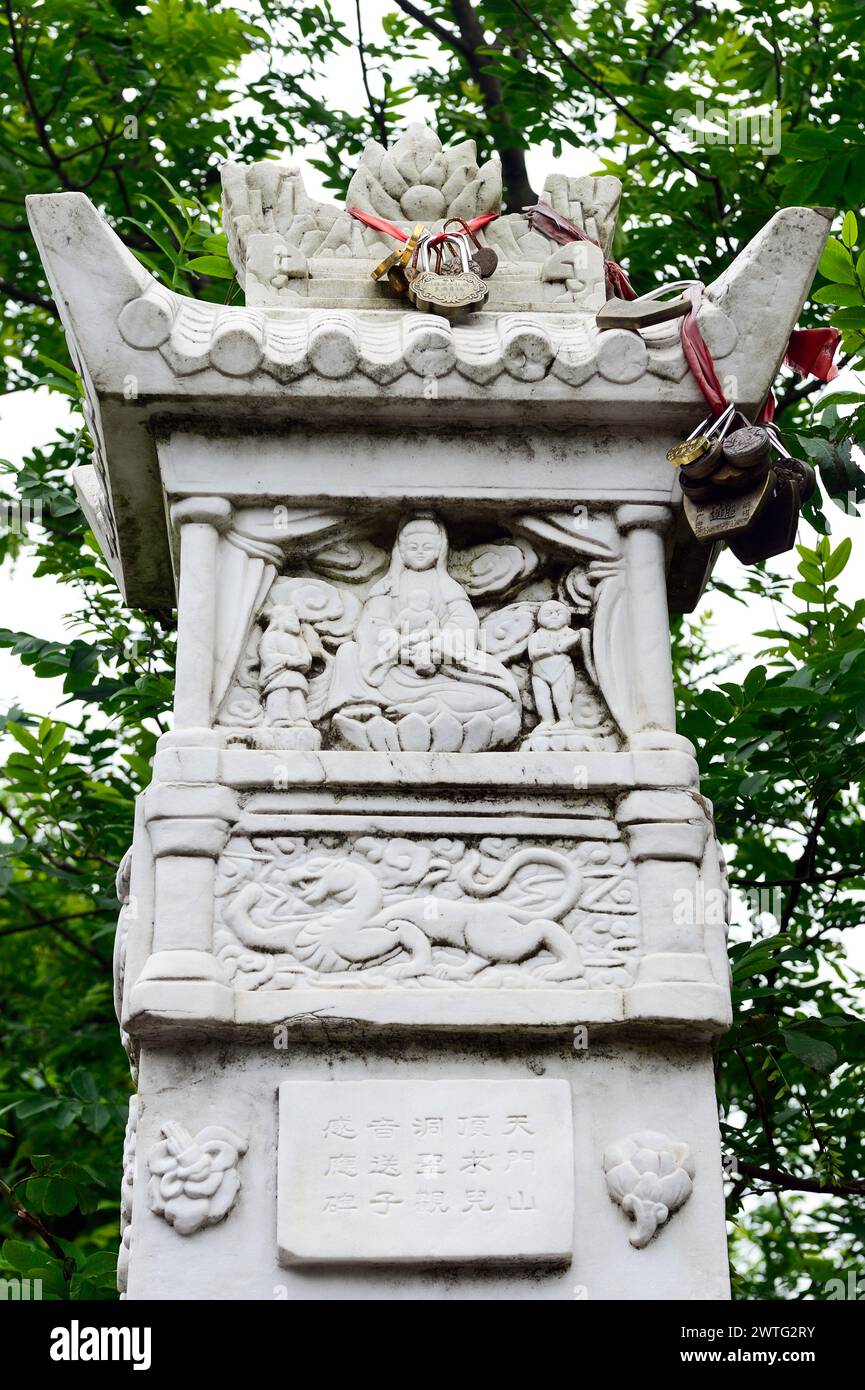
<point x="701" y="440"/>
<point x="395" y="265"/>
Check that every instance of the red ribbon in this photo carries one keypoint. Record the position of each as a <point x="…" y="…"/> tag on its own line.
<point x="810" y="352"/>
<point x="381" y="224"/>
<point x="561" y="229"/>
<point x="698" y="356"/>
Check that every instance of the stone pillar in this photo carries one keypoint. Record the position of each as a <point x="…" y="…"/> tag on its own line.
<point x="667" y="833"/>
<point x="188" y="828"/>
<point x="397" y="916"/>
<point x="199" y="520"/>
<point x="643" y="529"/>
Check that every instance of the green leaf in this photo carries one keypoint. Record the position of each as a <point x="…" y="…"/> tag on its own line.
<point x="214" y="266"/>
<point x="836" y="263"/>
<point x="838" y="559"/>
<point x="842" y="295"/>
<point x="83" y="1085"/>
<point x="849" y="231"/>
<point x="788" y="697"/>
<point x="848" y="319"/>
<point x="809" y="592"/>
<point x="816" y="1054"/>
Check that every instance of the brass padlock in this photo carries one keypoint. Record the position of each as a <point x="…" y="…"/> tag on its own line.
<point x="396" y="266"/>
<point x="700" y="442"/>
<point x="449" y="294"/>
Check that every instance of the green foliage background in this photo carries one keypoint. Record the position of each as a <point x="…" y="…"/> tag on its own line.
<point x="137" y="105"/>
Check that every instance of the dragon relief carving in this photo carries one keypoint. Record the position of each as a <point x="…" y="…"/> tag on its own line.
<point x="422" y="647"/>
<point x="369" y="910"/>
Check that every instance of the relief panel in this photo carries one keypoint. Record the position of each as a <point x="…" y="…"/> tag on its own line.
<point x="426" y="912"/>
<point x="404" y="642"/>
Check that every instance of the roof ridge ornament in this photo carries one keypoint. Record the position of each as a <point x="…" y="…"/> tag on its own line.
<point x="291" y="250"/>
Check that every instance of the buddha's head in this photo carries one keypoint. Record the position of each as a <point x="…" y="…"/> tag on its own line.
<point x="420" y="544"/>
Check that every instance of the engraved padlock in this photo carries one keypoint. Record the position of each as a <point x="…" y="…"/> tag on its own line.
<point x="749" y="449"/>
<point x="448" y="294"/>
<point x="705" y="439"/>
<point x="794" y="470"/>
<point x="483" y="259"/>
<point x="724" y="518"/>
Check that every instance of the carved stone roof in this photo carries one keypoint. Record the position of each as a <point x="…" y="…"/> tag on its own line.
<point x="147" y="355"/>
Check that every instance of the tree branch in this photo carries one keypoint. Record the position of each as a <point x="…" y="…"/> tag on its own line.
<point x="466" y="43"/>
<point x="433" y="26"/>
<point x="27" y="93"/>
<point x="25" y="296"/>
<point x="33" y="1222"/>
<point x="62" y="865"/>
<point x="778" y="1177"/>
<point x="838" y="876"/>
<point x="762" y="1108"/>
<point x="569" y="62"/>
<point x="799" y="391"/>
<point x="376" y="110"/>
<point x="804" y="865"/>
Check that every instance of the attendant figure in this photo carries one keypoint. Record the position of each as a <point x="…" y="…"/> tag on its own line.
<point x="286" y="653"/>
<point x="554" y="679"/>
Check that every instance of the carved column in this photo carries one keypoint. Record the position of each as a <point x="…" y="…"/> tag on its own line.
<point x="188" y="828"/>
<point x="199" y="520"/>
<point x="667" y="833"/>
<point x="643" y="529"/>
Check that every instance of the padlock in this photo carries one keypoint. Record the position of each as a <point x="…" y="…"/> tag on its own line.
<point x="748" y="449"/>
<point x="774" y="531"/>
<point x="396" y="266"/>
<point x="722" y="518"/>
<point x="483" y="259"/>
<point x="796" y="470"/>
<point x="701" y="441"/>
<point x="725" y="478"/>
<point x="449" y="294"/>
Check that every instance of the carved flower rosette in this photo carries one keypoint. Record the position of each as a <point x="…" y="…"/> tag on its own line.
<point x="194" y="1181"/>
<point x="649" y="1176"/>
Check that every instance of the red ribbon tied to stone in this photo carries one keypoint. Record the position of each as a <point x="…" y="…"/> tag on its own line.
<point x="698" y="356"/>
<point x="810" y="352"/>
<point x="381" y="224"/>
<point x="544" y="218"/>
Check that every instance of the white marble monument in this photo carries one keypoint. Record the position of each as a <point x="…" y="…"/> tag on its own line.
<point x="422" y="944"/>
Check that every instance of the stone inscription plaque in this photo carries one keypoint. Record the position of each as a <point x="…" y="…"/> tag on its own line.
<point x="425" y="1171"/>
